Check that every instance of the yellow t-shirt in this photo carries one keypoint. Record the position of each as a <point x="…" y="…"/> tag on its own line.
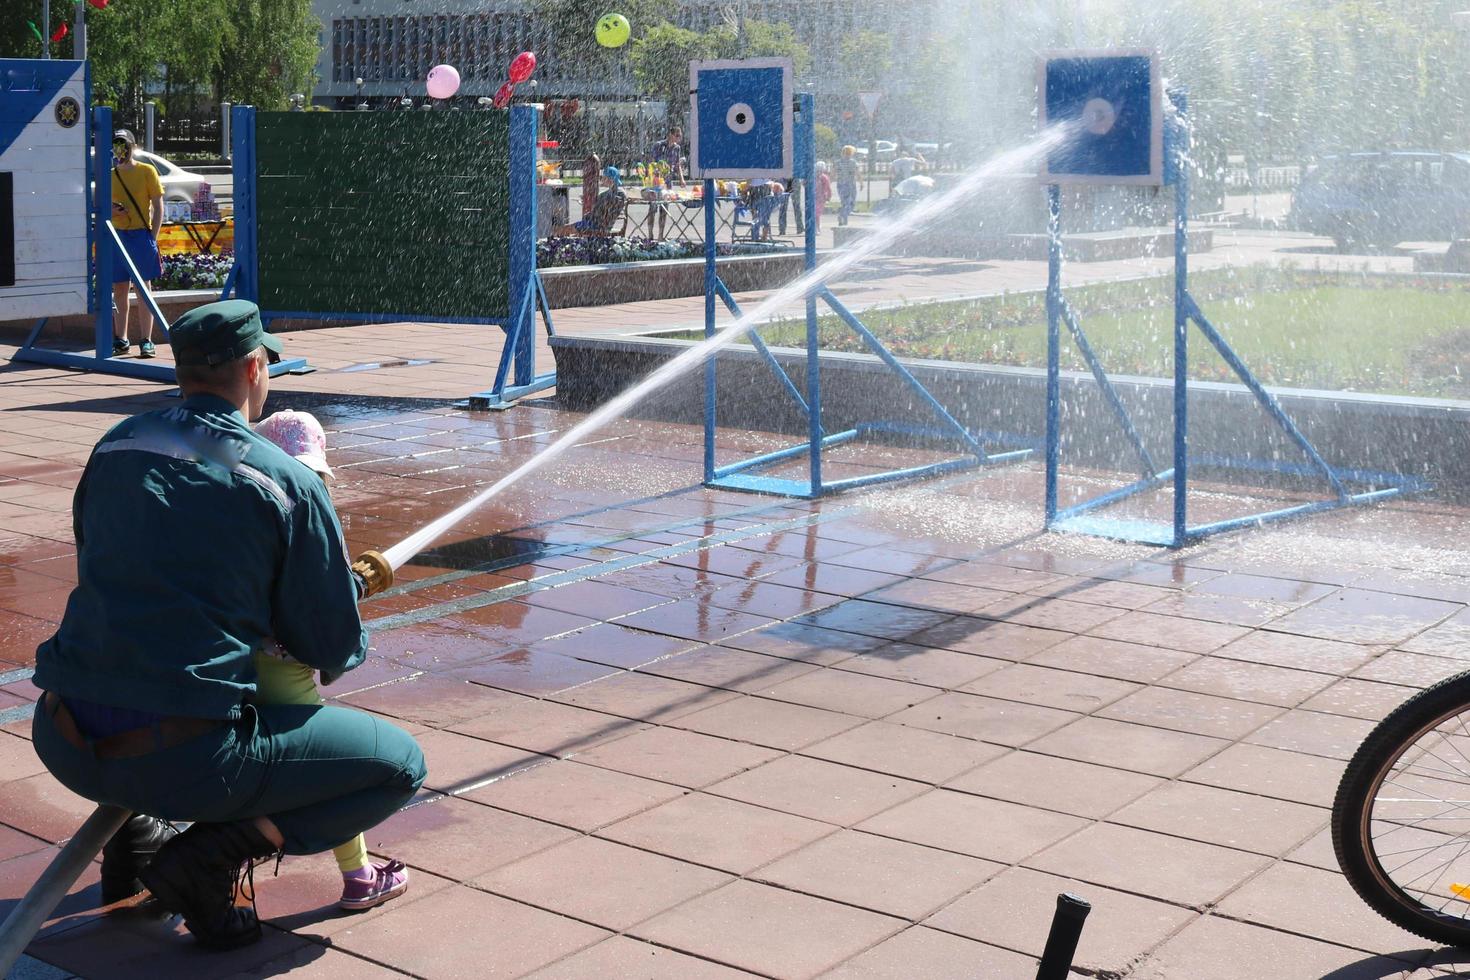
<point x="142" y="181"/>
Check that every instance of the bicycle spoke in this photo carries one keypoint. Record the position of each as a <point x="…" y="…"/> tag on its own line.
<point x="1435" y="762"/>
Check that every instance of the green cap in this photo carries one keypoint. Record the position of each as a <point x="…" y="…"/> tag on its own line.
<point x="218" y="332"/>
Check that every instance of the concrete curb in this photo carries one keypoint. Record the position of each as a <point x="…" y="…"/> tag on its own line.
<point x="1422" y="437"/>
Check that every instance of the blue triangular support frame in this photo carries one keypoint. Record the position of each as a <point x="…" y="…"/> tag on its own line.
<point x="745" y="474"/>
<point x="107" y="248"/>
<point x="1081" y="517"/>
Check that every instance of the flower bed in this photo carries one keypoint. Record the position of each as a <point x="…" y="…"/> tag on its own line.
<point x="209" y="271"/>
<point x="194" y="271"/>
<point x="552" y="252"/>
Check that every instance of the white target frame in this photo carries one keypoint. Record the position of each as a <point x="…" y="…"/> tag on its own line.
<point x="1155" y="175"/>
<point x="784" y="169"/>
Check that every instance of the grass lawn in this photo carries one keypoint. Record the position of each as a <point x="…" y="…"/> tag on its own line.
<point x="1294" y="329"/>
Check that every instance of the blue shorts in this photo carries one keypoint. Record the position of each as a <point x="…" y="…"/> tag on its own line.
<point x="143" y="250"/>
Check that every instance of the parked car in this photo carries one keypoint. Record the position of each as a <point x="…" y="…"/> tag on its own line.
<point x="1381" y="198"/>
<point x="932" y="150"/>
<point x="883" y="150"/>
<point x="178" y="183"/>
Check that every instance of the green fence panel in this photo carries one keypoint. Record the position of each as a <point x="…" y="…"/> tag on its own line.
<point x="384" y="213"/>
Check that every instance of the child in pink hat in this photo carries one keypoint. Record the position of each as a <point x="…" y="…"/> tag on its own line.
<point x="282" y="680"/>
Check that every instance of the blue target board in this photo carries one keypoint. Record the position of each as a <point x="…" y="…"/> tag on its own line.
<point x="1113" y="101"/>
<point x="740" y="118"/>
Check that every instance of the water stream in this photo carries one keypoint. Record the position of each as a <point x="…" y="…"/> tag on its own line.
<point x="906" y="223"/>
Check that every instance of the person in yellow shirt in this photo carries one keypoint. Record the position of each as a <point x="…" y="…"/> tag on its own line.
<point x="137" y="213"/>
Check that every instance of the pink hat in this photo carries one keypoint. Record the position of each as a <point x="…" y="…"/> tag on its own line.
<point x="300" y="435"/>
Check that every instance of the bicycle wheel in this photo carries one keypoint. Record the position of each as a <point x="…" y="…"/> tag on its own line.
<point x="1401" y="818"/>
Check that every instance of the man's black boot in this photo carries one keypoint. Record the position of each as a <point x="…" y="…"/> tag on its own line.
<point x="128" y="852"/>
<point x="199" y="873"/>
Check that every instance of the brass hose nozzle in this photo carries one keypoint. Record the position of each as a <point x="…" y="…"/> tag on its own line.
<point x="376" y="573"/>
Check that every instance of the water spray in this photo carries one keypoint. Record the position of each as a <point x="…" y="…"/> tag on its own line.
<point x="916" y="219"/>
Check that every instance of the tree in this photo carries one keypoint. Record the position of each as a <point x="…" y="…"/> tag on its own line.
<point x="660" y="60"/>
<point x="925" y="105"/>
<point x="864" y="58"/>
<point x="249" y="51"/>
<point x="269" y="54"/>
<point x="661" y="57"/>
<point x="762" y="40"/>
<point x="570" y="32"/>
<point x="135" y="43"/>
<point x="16" y="39"/>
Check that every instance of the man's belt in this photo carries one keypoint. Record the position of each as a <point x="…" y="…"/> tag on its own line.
<point x="167" y="733"/>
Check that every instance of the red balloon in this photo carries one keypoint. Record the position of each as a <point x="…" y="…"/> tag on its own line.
<point x="502" y="95"/>
<point x="521" y="67"/>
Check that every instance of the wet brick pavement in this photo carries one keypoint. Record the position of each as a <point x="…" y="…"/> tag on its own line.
<point x="682" y="733"/>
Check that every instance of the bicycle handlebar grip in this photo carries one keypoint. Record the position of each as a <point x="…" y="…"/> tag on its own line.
<point x="376" y="573"/>
<point x="1061" y="943"/>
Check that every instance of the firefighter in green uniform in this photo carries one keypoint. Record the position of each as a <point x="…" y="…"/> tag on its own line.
<point x="197" y="540"/>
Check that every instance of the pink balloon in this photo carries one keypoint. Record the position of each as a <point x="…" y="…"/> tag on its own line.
<point x="502" y="95"/>
<point x="443" y="81"/>
<point x="521" y="67"/>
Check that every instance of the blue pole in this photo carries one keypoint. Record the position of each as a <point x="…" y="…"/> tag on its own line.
<point x="242" y="140"/>
<point x="1053" y="345"/>
<point x="102" y="243"/>
<point x="710" y="282"/>
<point x="523" y="125"/>
<point x="1115" y="401"/>
<point x="1181" y="326"/>
<point x="875" y="345"/>
<point x="806" y="167"/>
<point x="1265" y="398"/>
<point x="764" y="351"/>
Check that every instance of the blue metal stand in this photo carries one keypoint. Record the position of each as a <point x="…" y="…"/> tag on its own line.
<point x="1081" y="517"/>
<point x="527" y="294"/>
<point x="107" y="248"/>
<point x="515" y="376"/>
<point x="744" y="475"/>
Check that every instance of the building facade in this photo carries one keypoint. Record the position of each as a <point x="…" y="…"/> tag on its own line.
<point x="391" y="44"/>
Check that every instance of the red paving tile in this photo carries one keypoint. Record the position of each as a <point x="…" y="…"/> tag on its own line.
<point x="943" y="957"/>
<point x="989" y="829"/>
<point x="769" y="930"/>
<point x="40" y="806"/>
<point x="1158" y="732"/>
<point x="573" y="795"/>
<point x="695" y="619"/>
<point x="21" y="634"/>
<point x="673" y="756"/>
<point x="624" y="957"/>
<point x="601" y="882"/>
<point x="458" y="839"/>
<point x="530" y="671"/>
<point x="433" y="700"/>
<point x="417" y="937"/>
<point x="817" y="789"/>
<point x="616" y="646"/>
<point x="1011" y="909"/>
<point x="135" y="945"/>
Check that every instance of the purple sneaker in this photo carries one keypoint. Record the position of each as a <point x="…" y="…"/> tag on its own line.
<point x="388" y="882"/>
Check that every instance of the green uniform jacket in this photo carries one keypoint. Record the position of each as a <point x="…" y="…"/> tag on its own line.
<point x="196" y="540"/>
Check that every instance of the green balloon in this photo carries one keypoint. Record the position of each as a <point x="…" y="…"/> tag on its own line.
<point x="613" y="30"/>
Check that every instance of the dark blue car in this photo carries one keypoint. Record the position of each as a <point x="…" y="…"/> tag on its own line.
<point x="1381" y="198"/>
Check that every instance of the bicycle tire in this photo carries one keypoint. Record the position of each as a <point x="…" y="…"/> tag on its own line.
<point x="1353" y="813"/>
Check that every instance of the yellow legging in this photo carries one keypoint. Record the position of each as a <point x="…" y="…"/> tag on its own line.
<point x="280" y="681"/>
